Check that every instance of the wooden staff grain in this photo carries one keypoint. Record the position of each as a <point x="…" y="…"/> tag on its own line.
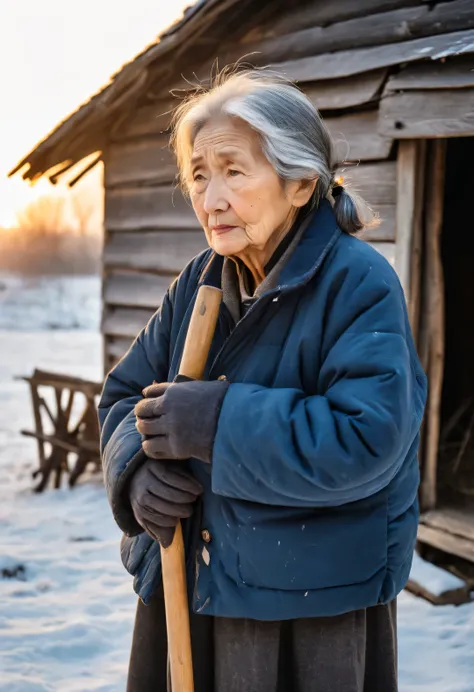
<point x="196" y="350"/>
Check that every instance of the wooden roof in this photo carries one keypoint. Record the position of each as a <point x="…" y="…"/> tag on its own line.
<point x="85" y="131"/>
<point x="360" y="38"/>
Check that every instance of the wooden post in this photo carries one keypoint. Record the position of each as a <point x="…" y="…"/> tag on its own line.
<point x="414" y="297"/>
<point x="196" y="350"/>
<point x="409" y="236"/>
<point x="406" y="199"/>
<point x="434" y="318"/>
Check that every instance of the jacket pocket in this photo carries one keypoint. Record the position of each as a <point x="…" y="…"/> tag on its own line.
<point x="293" y="549"/>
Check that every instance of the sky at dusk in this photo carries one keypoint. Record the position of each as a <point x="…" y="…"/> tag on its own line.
<point x="53" y="56"/>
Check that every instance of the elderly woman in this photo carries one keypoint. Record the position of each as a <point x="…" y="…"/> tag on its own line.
<point x="294" y="465"/>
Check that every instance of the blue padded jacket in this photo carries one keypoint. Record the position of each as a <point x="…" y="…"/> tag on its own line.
<point x="311" y="499"/>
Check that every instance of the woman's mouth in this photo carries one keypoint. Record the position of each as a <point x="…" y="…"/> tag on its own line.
<point x="222" y="228"/>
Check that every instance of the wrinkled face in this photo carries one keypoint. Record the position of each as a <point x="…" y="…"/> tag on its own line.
<point x="236" y="194"/>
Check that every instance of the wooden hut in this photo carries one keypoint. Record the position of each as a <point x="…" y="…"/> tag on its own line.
<point x="394" y="80"/>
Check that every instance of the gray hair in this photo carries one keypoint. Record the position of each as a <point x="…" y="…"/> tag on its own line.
<point x="294" y="138"/>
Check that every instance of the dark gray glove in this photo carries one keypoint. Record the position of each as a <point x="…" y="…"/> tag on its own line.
<point x="180" y="419"/>
<point x="161" y="492"/>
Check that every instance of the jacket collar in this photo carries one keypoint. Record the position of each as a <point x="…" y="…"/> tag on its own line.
<point x="320" y="236"/>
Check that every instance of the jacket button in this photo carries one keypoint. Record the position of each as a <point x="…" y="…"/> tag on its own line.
<point x="222" y="377"/>
<point x="206" y="536"/>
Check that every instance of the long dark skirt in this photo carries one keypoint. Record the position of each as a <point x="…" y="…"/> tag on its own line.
<point x="354" y="652"/>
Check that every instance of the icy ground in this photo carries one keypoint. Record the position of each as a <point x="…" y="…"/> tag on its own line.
<point x="66" y="621"/>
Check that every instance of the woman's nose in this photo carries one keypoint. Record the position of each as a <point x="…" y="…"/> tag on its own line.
<point x="215" y="200"/>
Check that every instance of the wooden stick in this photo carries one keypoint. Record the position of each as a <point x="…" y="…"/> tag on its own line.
<point x="200" y="332"/>
<point x="196" y="350"/>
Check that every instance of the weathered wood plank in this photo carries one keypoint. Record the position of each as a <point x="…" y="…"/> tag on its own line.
<point x="414" y="300"/>
<point x="135" y="290"/>
<point x="140" y="161"/>
<point x="346" y="92"/>
<point x="430" y="113"/>
<point x="125" y="321"/>
<point x="350" y="62"/>
<point x="449" y="597"/>
<point x="454" y="545"/>
<point x="406" y="199"/>
<point x="355" y="137"/>
<point x="163" y="251"/>
<point x="454" y="73"/>
<point x="385" y="230"/>
<point x="116" y="347"/>
<point x="322" y="14"/>
<point x="376" y="182"/>
<point x="139" y="208"/>
<point x="325" y="95"/>
<point x="435" y="584"/>
<point x="435" y="318"/>
<point x="453" y="520"/>
<point x="373" y="29"/>
<point x="152" y="119"/>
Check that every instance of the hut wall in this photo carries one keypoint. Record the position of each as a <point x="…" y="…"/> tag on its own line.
<point x="366" y="101"/>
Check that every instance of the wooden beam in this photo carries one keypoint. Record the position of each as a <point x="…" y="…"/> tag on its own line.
<point x="322" y="14"/>
<point x="434" y="316"/>
<point x="165" y="252"/>
<point x="347" y="92"/>
<point x="59" y="381"/>
<point x="453" y="545"/>
<point x="458" y="521"/>
<point x="350" y="62"/>
<point x="436" y="585"/>
<point x="372" y="29"/>
<point x="449" y="597"/>
<point x="154" y="118"/>
<point x="135" y="290"/>
<point x="430" y="113"/>
<point x="140" y="208"/>
<point x="355" y="137"/>
<point x="125" y="321"/>
<point x="140" y="161"/>
<point x="454" y="73"/>
<point x="414" y="296"/>
<point x="407" y="161"/>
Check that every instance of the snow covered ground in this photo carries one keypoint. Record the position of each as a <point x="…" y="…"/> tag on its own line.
<point x="66" y="620"/>
<point x="49" y="302"/>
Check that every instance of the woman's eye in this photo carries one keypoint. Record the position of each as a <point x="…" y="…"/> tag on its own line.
<point x="233" y="172"/>
<point x="198" y="177"/>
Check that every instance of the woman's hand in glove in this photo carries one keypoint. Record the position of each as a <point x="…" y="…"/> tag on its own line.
<point x="161" y="492"/>
<point x="179" y="420"/>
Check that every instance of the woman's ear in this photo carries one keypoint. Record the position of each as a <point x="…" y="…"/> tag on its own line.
<point x="300" y="191"/>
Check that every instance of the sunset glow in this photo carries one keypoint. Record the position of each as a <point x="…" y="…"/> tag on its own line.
<point x="55" y="55"/>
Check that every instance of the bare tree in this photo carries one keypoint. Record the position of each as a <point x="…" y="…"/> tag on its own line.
<point x="44" y="216"/>
<point x="84" y="207"/>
